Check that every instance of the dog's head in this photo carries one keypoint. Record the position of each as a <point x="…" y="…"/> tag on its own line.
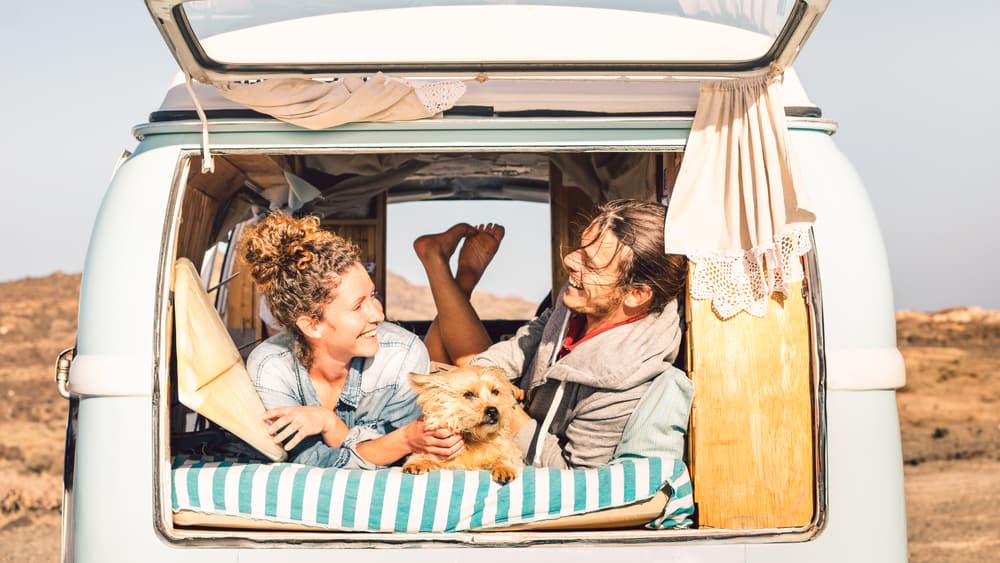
<point x="476" y="401"/>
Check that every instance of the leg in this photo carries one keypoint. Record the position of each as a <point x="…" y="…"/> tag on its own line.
<point x="457" y="334"/>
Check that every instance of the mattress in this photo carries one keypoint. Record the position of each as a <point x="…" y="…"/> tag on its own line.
<point x="211" y="491"/>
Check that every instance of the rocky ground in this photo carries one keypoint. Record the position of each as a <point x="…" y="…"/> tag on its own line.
<point x="949" y="415"/>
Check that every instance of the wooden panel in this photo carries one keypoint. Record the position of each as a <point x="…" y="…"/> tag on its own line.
<point x="263" y="171"/>
<point x="751" y="448"/>
<point x="570" y="210"/>
<point x="242" y="298"/>
<point x="197" y="213"/>
<point x="369" y="235"/>
<point x="221" y="184"/>
<point x="671" y="167"/>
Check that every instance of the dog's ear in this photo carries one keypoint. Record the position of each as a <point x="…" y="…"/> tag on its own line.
<point x="423" y="382"/>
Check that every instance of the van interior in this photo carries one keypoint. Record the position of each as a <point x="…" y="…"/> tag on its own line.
<point x="753" y="439"/>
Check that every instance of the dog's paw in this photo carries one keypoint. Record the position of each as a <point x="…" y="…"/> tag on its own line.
<point x="416" y="468"/>
<point x="503" y="474"/>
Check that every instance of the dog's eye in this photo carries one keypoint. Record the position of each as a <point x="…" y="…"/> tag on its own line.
<point x="469" y="395"/>
<point x="495" y="392"/>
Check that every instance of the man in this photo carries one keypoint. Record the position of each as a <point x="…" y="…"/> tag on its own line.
<point x="584" y="364"/>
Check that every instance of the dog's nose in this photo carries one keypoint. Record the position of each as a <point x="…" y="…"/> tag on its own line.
<point x="491" y="414"/>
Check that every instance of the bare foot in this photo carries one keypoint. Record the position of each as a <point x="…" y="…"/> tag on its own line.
<point x="442" y="245"/>
<point x="477" y="252"/>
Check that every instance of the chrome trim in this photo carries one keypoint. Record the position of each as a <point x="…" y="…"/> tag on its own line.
<point x="224" y="538"/>
<point x="265" y="125"/>
<point x="64" y="360"/>
<point x="66" y="543"/>
<point x="162" y="507"/>
<point x="814" y="291"/>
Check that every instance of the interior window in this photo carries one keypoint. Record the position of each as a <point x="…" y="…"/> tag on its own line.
<point x="515" y="282"/>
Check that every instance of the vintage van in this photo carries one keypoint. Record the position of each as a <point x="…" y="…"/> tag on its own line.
<point x="362" y="113"/>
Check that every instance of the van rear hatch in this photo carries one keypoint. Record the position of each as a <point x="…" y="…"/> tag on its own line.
<point x="221" y="41"/>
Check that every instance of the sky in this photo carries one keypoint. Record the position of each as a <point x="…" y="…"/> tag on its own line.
<point x="912" y="85"/>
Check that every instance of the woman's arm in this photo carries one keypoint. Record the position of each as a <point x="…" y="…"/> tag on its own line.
<point x="412" y="438"/>
<point x="295" y="423"/>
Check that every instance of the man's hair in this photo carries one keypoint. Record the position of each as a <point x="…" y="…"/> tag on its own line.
<point x="639" y="228"/>
<point x="298" y="266"/>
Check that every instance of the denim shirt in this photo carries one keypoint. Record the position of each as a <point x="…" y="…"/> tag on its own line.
<point x="376" y="399"/>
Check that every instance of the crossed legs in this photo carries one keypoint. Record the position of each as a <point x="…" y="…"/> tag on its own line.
<point x="457" y="334"/>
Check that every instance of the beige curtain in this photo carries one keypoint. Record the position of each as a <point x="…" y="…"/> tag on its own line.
<point x="319" y="105"/>
<point x="738" y="210"/>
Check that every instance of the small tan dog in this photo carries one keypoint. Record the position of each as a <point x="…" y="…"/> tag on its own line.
<point x="476" y="402"/>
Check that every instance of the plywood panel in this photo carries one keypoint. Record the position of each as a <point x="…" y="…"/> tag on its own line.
<point x="369" y="235"/>
<point x="751" y="448"/>
<point x="242" y="298"/>
<point x="570" y="209"/>
<point x="221" y="184"/>
<point x="264" y="171"/>
<point x="197" y="213"/>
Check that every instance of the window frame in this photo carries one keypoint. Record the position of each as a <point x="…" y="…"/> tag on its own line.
<point x="237" y="538"/>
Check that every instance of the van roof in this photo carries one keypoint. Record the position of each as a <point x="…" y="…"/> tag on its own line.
<point x="542" y="96"/>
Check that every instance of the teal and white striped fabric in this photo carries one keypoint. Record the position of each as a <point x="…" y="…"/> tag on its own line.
<point x="441" y="501"/>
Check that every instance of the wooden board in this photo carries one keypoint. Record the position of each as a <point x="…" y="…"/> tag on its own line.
<point x="751" y="441"/>
<point x="570" y="209"/>
<point x="197" y="212"/>
<point x="369" y="235"/>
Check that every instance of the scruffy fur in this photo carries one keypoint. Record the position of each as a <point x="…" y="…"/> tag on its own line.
<point x="476" y="401"/>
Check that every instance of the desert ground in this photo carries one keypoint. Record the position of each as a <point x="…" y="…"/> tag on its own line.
<point x="949" y="416"/>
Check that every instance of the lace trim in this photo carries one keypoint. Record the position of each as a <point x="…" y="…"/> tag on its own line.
<point x="438" y="96"/>
<point x="746" y="282"/>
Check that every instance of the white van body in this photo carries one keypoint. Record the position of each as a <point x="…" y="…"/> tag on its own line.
<point x="117" y="475"/>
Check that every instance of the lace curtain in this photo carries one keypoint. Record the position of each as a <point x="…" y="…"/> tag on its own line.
<point x="738" y="210"/>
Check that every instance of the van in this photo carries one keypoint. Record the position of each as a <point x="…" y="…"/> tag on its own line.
<point x="792" y="447"/>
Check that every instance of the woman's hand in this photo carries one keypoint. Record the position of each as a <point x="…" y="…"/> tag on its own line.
<point x="300" y="422"/>
<point x="438" y="442"/>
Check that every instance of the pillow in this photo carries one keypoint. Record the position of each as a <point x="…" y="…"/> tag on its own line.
<point x="660" y="420"/>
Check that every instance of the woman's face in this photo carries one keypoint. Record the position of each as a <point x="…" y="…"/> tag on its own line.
<point x="593" y="274"/>
<point x="347" y="329"/>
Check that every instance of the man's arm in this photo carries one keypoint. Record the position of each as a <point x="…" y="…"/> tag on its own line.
<point x="513" y="354"/>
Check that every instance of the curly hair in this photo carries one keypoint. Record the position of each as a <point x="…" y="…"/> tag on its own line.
<point x="298" y="267"/>
<point x="639" y="228"/>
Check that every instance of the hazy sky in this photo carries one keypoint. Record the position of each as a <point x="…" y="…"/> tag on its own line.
<point x="913" y="86"/>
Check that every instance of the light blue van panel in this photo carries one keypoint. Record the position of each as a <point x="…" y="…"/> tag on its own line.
<point x="118" y="289"/>
<point x="113" y="498"/>
<point x="857" y="290"/>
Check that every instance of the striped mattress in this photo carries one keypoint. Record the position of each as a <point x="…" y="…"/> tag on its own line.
<point x="389" y="500"/>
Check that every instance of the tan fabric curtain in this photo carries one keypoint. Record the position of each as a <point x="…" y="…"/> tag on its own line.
<point x="738" y="210"/>
<point x="320" y="105"/>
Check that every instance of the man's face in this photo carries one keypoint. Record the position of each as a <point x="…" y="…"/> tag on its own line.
<point x="593" y="274"/>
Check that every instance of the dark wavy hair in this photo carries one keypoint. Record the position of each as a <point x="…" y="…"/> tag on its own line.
<point x="298" y="267"/>
<point x="639" y="228"/>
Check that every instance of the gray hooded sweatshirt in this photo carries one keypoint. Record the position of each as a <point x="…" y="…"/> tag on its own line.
<point x="596" y="386"/>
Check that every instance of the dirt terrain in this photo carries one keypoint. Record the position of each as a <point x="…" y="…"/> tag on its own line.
<point x="949" y="413"/>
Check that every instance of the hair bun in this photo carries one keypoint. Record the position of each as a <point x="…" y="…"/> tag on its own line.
<point x="277" y="247"/>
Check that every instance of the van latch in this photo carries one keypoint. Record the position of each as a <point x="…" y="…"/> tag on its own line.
<point x="63" y="362"/>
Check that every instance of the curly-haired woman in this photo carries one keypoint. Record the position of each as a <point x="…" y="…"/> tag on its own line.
<point x="336" y="383"/>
